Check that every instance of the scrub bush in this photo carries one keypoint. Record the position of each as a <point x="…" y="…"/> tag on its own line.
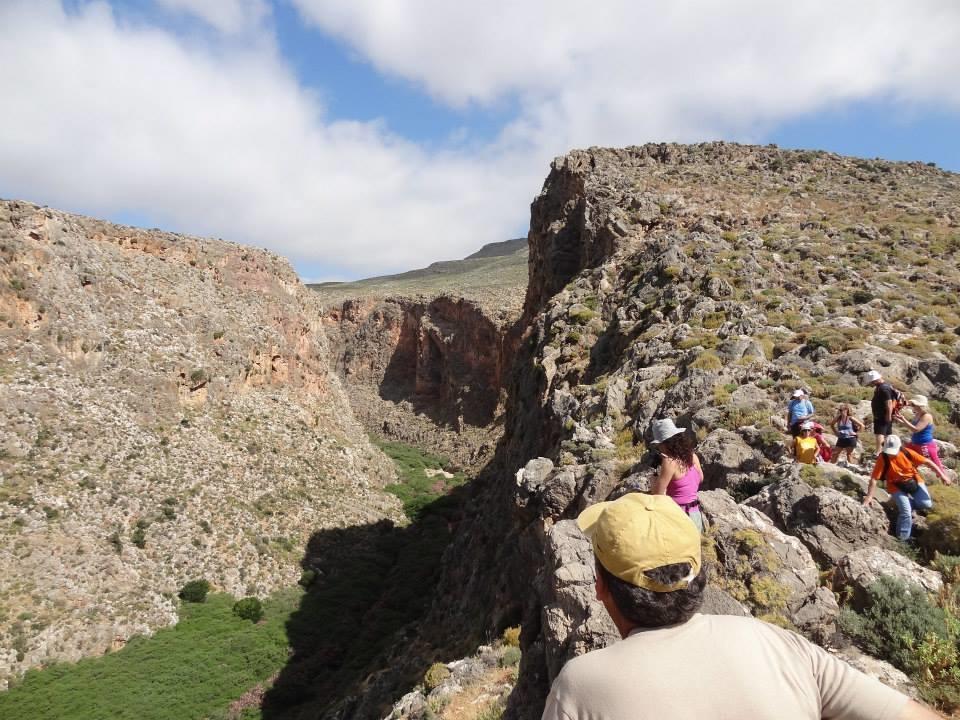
<point x="896" y="619"/>
<point x="249" y="608"/>
<point x="194" y="591"/>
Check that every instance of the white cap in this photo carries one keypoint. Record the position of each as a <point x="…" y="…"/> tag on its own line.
<point x="664" y="430"/>
<point x="871" y="376"/>
<point x="920" y="401"/>
<point x="806" y="425"/>
<point x="798" y="393"/>
<point x="891" y="446"/>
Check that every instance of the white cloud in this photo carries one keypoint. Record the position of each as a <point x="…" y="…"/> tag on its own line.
<point x="624" y="71"/>
<point x="228" y="16"/>
<point x="222" y="138"/>
<point x="225" y="142"/>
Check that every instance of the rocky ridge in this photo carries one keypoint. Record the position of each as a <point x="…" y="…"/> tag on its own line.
<point x="705" y="283"/>
<point x="166" y="413"/>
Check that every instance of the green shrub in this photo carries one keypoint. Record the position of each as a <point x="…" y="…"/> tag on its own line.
<point x="511" y="636"/>
<point x="943" y="522"/>
<point x="511" y="657"/>
<point x="194" y="591"/>
<point x="895" y="618"/>
<point x="707" y="360"/>
<point x="713" y="320"/>
<point x="307" y="578"/>
<point x="198" y="376"/>
<point x="581" y="315"/>
<point x="861" y="296"/>
<point x="139" y="535"/>
<point x="248" y="608"/>
<point x="436" y="674"/>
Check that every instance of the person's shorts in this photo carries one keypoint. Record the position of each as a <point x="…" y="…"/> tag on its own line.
<point x="882" y="428"/>
<point x="847" y="442"/>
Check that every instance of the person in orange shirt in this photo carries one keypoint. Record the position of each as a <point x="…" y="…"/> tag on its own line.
<point x="898" y="467"/>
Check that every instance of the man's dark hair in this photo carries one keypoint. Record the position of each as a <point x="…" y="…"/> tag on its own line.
<point x="649" y="609"/>
<point x="679" y="447"/>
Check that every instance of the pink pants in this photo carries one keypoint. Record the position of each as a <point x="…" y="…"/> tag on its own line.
<point x="929" y="451"/>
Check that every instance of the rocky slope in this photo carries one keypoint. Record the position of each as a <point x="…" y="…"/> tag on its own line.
<point x="166" y="413"/>
<point x="705" y="283"/>
<point x="425" y="354"/>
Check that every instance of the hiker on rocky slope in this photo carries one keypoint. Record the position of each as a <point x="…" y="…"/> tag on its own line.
<point x="806" y="448"/>
<point x="899" y="468"/>
<point x="680" y="470"/>
<point x="799" y="410"/>
<point x="846" y="427"/>
<point x="674" y="662"/>
<point x="883" y="405"/>
<point x="922" y="426"/>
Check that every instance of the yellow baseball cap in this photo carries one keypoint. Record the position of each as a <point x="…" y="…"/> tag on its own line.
<point x="638" y="532"/>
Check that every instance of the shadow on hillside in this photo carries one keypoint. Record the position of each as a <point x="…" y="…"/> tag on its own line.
<point x="374" y="583"/>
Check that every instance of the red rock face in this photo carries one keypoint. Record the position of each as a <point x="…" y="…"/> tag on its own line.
<point x="444" y="356"/>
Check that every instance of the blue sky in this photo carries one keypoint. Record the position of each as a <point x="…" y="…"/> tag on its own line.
<point x="367" y="137"/>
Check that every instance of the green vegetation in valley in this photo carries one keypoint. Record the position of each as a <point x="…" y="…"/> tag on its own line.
<point x="195" y="669"/>
<point x="376" y="579"/>
<point x="416" y="489"/>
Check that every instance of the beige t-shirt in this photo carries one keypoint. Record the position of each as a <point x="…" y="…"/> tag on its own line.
<point x="716" y="666"/>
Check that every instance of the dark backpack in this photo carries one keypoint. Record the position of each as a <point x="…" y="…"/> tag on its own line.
<point x="899" y="399"/>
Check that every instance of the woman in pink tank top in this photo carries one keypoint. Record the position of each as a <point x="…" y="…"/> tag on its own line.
<point x="680" y="471"/>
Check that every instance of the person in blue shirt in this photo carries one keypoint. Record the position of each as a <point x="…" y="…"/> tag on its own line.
<point x="799" y="411"/>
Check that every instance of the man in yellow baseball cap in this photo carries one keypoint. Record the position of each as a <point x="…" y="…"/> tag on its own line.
<point x="675" y="663"/>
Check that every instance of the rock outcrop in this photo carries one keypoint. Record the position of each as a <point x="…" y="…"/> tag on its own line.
<point x="705" y="283"/>
<point x="166" y="413"/>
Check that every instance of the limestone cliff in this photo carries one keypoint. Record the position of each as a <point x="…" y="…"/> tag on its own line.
<point x="166" y="413"/>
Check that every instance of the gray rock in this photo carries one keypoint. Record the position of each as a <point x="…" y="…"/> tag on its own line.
<point x="829" y="523"/>
<point x="861" y="568"/>
<point x="941" y="372"/>
<point x="572" y="620"/>
<point x="723" y="452"/>
<point x="533" y="475"/>
<point x="879" y="669"/>
<point x="720" y="602"/>
<point x="772" y="555"/>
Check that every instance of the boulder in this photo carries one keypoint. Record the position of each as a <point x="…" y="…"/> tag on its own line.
<point x="724" y="452"/>
<point x="720" y="602"/>
<point x="829" y="523"/>
<point x="861" y="568"/>
<point x="941" y="372"/>
<point x="572" y="620"/>
<point x="531" y="479"/>
<point x="769" y="572"/>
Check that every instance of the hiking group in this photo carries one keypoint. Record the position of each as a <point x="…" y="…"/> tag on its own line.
<point x="894" y="463"/>
<point x="651" y="580"/>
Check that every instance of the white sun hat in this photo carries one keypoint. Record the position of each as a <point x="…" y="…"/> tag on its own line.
<point x="871" y="376"/>
<point x="664" y="430"/>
